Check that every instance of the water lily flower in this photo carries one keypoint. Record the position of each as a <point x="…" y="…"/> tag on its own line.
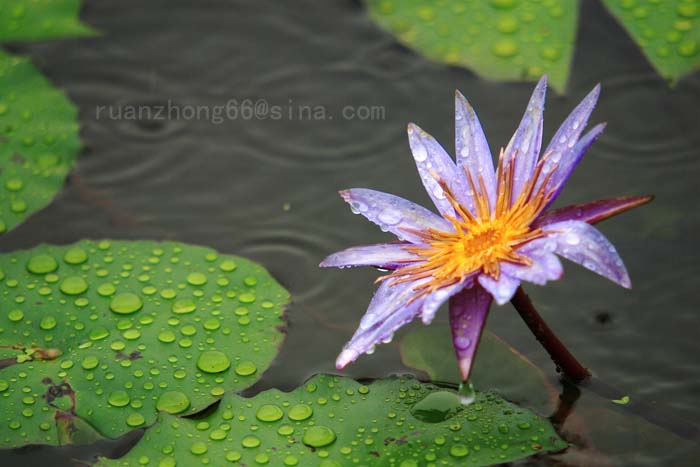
<point x="493" y="232"/>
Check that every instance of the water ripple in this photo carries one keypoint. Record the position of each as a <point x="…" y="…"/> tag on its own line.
<point x="651" y="123"/>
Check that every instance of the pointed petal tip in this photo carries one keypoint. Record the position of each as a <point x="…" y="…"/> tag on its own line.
<point x="346" y="357"/>
<point x="465" y="368"/>
<point x="595" y="92"/>
<point x="644" y="199"/>
<point x="460" y="97"/>
<point x="626" y="282"/>
<point x="542" y="82"/>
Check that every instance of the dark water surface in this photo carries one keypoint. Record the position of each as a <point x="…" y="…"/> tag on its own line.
<point x="266" y="189"/>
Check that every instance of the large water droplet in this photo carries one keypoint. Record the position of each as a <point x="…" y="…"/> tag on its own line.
<point x="467" y="393"/>
<point x="437" y="407"/>
<point x="300" y="412"/>
<point x="173" y="402"/>
<point x="318" y="436"/>
<point x="118" y="399"/>
<point x="213" y="361"/>
<point x="41" y="264"/>
<point x="269" y="413"/>
<point x="73" y="285"/>
<point x="126" y="303"/>
<point x="246" y="368"/>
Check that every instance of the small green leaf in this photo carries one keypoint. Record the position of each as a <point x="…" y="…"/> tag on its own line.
<point x="338" y="422"/>
<point x="498" y="39"/>
<point x="96" y="337"/>
<point x="668" y="32"/>
<point x="38" y="140"/>
<point x="624" y="400"/>
<point x="28" y="20"/>
<point x="497" y="366"/>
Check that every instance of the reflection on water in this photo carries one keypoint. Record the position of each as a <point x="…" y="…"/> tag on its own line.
<point x="266" y="188"/>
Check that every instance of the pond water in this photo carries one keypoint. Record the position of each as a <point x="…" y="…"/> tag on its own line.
<point x="265" y="187"/>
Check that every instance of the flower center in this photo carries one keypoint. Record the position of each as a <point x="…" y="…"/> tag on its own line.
<point x="481" y="240"/>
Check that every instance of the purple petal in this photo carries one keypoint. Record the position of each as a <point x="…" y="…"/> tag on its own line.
<point x="568" y="162"/>
<point x="382" y="255"/>
<point x="386" y="313"/>
<point x="592" y="212"/>
<point x="394" y="214"/>
<point x="502" y="289"/>
<point x="436" y="299"/>
<point x="432" y="161"/>
<point x="473" y="153"/>
<point x="545" y="264"/>
<point x="583" y="244"/>
<point x="468" y="311"/>
<point x="563" y="149"/>
<point x="524" y="146"/>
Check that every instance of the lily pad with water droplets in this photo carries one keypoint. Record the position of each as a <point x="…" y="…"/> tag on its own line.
<point x="26" y="20"/>
<point x="498" y="39"/>
<point x="38" y="140"/>
<point x="668" y="32"/>
<point x="338" y="422"/>
<point x="96" y="337"/>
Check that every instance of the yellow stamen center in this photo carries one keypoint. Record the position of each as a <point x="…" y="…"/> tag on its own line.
<point x="482" y="239"/>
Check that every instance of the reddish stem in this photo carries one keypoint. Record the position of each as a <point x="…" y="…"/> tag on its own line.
<point x="562" y="358"/>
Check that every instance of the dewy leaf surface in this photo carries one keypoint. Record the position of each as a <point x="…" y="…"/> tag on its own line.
<point x="96" y="337"/>
<point x="27" y="20"/>
<point x="338" y="422"/>
<point x="497" y="39"/>
<point x="38" y="140"/>
<point x="668" y="32"/>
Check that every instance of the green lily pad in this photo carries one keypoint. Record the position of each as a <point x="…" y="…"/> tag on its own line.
<point x="338" y="422"/>
<point x="497" y="366"/>
<point x="38" y="140"/>
<point x="668" y="32"/>
<point x="497" y="39"/>
<point x="26" y="20"/>
<point x="104" y="334"/>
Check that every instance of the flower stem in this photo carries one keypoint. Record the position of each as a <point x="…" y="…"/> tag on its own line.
<point x="564" y="360"/>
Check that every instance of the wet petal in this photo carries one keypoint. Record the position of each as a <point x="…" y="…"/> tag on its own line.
<point x="545" y="264"/>
<point x="382" y="255"/>
<point x="436" y="299"/>
<point x="524" y="146"/>
<point x="583" y="244"/>
<point x="468" y="312"/>
<point x="432" y="161"/>
<point x="387" y="312"/>
<point x="592" y="212"/>
<point x="473" y="153"/>
<point x="502" y="289"/>
<point x="563" y="149"/>
<point x="568" y="162"/>
<point x="393" y="214"/>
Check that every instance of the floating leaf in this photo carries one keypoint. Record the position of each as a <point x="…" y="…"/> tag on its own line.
<point x="38" y="140"/>
<point x="498" y="39"/>
<point x="668" y="32"/>
<point x="38" y="125"/>
<point x="104" y="334"/>
<point x="34" y="20"/>
<point x="338" y="422"/>
<point x="497" y="366"/>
